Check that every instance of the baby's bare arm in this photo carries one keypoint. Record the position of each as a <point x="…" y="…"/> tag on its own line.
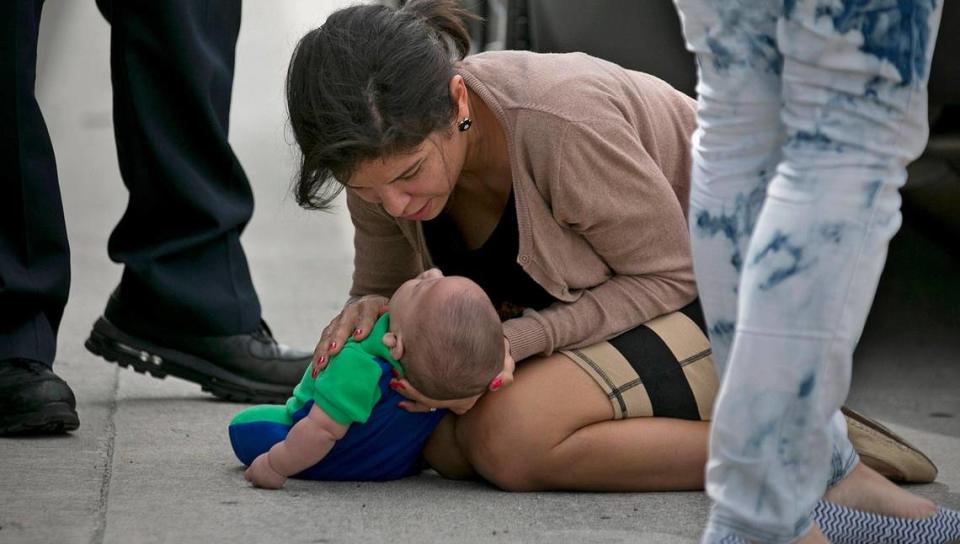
<point x="307" y="444"/>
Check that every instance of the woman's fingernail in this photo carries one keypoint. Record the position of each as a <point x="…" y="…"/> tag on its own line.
<point x="495" y="384"/>
<point x="332" y="346"/>
<point x="358" y="331"/>
<point x="394" y="372"/>
<point x="401" y="405"/>
<point x="322" y="360"/>
<point x="396" y="385"/>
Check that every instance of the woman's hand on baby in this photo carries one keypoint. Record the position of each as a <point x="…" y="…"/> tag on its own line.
<point x="261" y="474"/>
<point x="356" y="319"/>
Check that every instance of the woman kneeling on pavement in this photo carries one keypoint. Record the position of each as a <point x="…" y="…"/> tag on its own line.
<point x="559" y="183"/>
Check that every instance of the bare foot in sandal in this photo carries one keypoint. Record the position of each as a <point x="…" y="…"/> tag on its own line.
<point x="865" y="489"/>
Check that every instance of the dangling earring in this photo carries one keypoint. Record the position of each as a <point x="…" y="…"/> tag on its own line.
<point x="465" y="124"/>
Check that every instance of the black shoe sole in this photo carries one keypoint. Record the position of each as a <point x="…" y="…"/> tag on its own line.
<point x="115" y="346"/>
<point x="53" y="418"/>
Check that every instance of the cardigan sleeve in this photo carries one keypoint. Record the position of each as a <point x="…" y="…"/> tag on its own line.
<point x="383" y="257"/>
<point x="608" y="189"/>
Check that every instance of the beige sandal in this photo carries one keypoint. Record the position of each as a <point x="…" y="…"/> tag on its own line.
<point x="884" y="451"/>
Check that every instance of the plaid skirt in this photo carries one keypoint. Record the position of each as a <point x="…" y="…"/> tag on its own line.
<point x="662" y="368"/>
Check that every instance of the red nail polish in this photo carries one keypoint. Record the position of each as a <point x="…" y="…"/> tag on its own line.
<point x="332" y="346"/>
<point x="394" y="386"/>
<point x="316" y="370"/>
<point x="357" y="332"/>
<point x="495" y="384"/>
<point x="394" y="372"/>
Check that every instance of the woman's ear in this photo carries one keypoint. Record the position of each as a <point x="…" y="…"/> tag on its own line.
<point x="458" y="92"/>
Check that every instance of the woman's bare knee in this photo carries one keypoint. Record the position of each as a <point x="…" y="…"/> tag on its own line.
<point x="510" y="435"/>
<point x="497" y="440"/>
<point x="504" y="464"/>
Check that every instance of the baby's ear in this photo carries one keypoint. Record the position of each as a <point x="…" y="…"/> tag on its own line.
<point x="394" y="343"/>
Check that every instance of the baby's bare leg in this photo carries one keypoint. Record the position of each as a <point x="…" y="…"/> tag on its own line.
<point x="554" y="429"/>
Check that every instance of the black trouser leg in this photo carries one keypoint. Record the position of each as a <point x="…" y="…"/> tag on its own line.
<point x="179" y="239"/>
<point x="34" y="254"/>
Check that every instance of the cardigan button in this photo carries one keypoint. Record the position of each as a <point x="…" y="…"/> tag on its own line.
<point x="524" y="259"/>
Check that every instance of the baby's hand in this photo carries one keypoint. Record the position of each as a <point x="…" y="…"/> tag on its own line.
<point x="261" y="474"/>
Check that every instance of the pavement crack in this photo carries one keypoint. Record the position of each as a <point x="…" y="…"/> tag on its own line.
<point x="110" y="433"/>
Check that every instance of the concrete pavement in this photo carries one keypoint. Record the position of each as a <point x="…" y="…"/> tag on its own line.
<point x="151" y="461"/>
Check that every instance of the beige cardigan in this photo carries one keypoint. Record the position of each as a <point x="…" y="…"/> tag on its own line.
<point x="600" y="162"/>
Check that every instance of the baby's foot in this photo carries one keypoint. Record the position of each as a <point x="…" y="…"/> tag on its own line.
<point x="866" y="490"/>
<point x="848" y="526"/>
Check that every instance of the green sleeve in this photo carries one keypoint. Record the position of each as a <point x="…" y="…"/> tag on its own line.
<point x="348" y="389"/>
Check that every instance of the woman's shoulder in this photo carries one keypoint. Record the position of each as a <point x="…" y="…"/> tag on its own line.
<point x="573" y="87"/>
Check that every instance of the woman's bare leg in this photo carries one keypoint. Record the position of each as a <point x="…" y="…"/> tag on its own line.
<point x="443" y="453"/>
<point x="553" y="429"/>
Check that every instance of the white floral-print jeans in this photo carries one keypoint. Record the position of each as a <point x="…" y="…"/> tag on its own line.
<point x="809" y="111"/>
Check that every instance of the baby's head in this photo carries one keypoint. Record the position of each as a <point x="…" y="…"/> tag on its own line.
<point x="452" y="336"/>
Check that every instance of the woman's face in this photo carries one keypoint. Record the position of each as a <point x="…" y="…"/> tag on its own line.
<point x="416" y="185"/>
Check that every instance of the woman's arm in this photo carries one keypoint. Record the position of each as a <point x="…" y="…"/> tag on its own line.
<point x="608" y="189"/>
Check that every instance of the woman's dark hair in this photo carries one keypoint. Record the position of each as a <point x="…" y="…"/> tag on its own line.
<point x="372" y="81"/>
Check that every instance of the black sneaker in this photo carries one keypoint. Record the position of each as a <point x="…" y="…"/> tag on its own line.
<point x="241" y="368"/>
<point x="34" y="400"/>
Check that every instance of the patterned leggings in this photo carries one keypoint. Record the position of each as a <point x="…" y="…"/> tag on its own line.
<point x="809" y="111"/>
